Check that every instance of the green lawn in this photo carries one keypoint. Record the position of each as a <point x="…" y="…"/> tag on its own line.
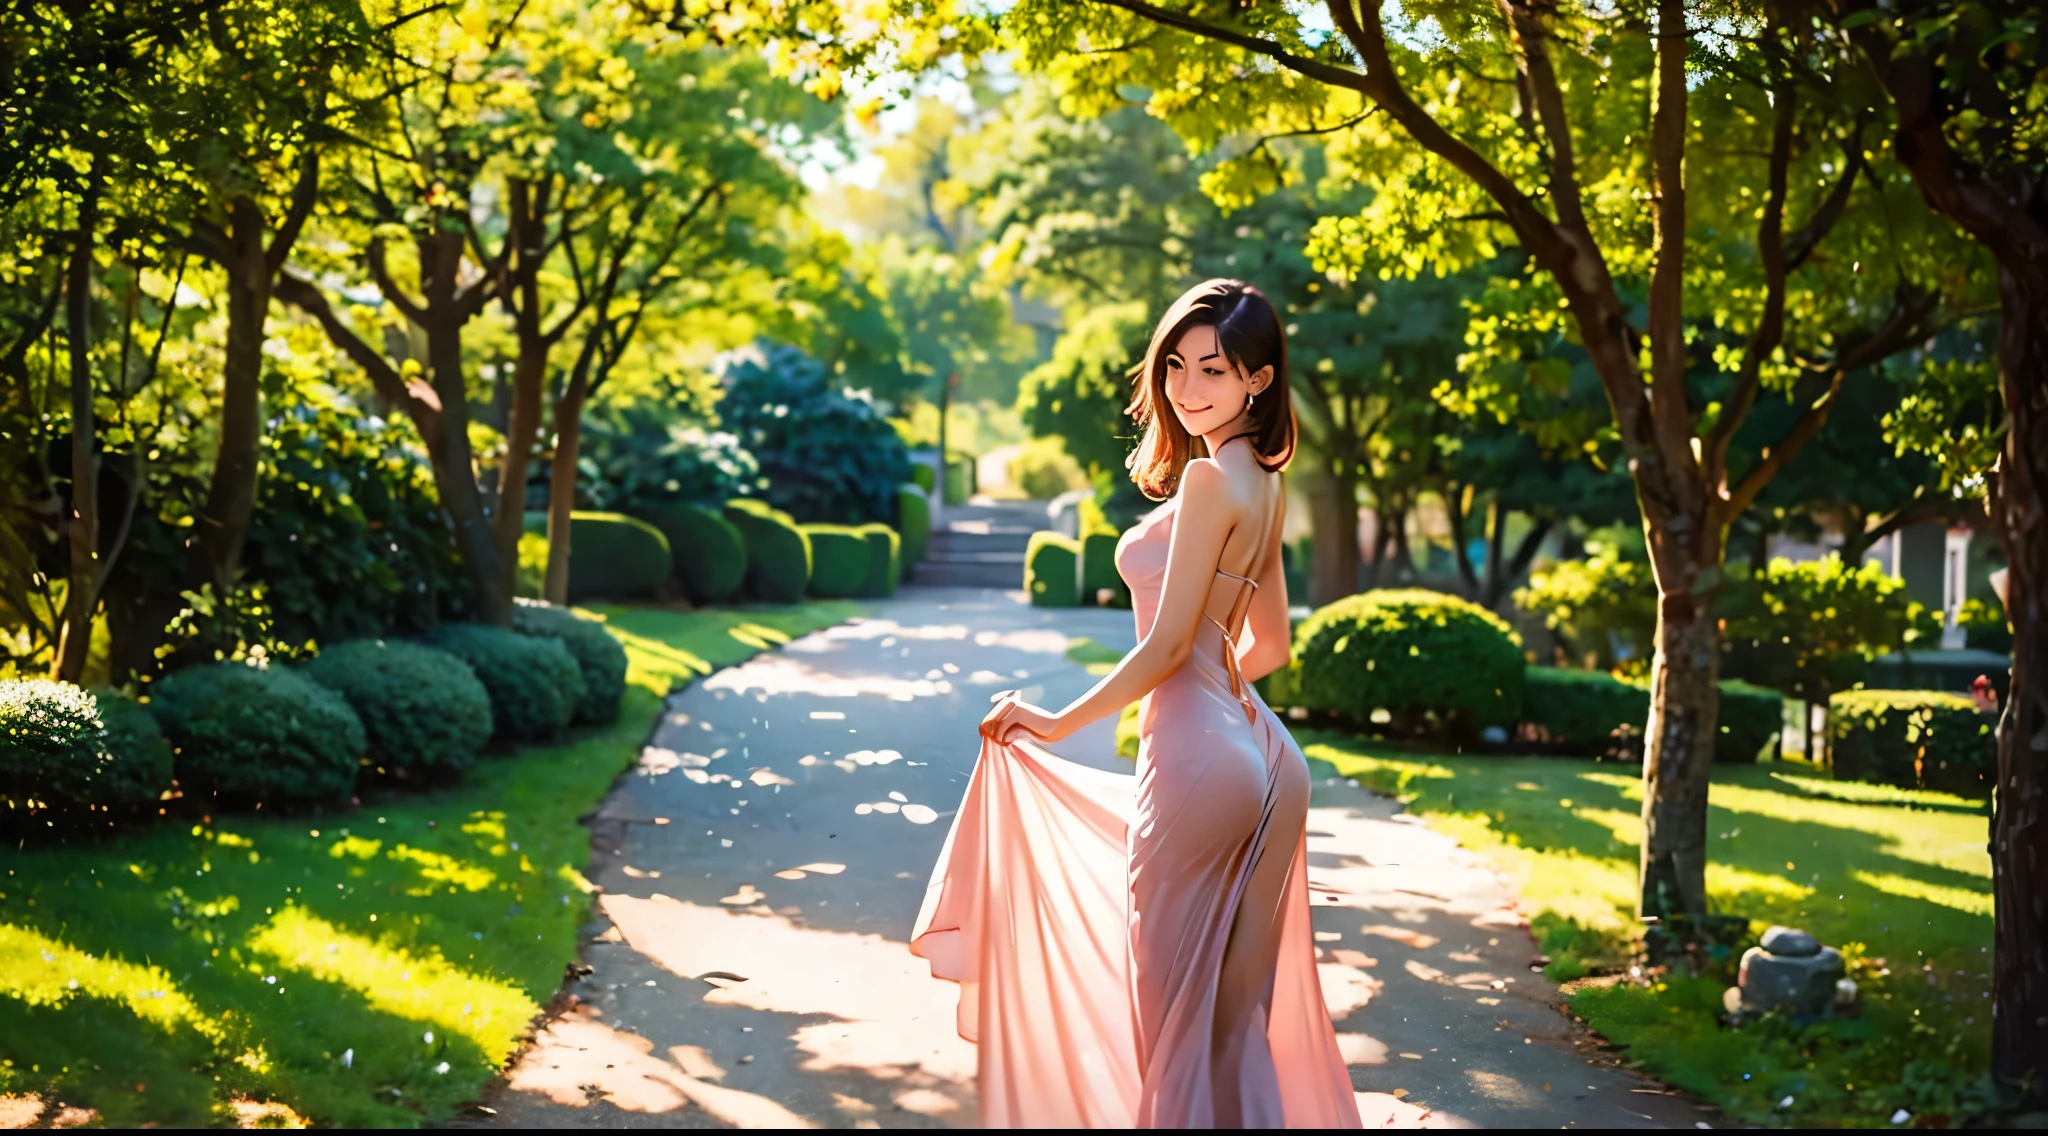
<point x="370" y="966"/>
<point x="1901" y="880"/>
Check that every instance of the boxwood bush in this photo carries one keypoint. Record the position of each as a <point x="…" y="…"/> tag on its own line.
<point x="839" y="560"/>
<point x="1927" y="738"/>
<point x="613" y="556"/>
<point x="1051" y="569"/>
<point x="423" y="710"/>
<point x="600" y="657"/>
<point x="778" y="552"/>
<point x="914" y="522"/>
<point x="68" y="749"/>
<point x="258" y="733"/>
<point x="1752" y="721"/>
<point x="1411" y="660"/>
<point x="885" y="559"/>
<point x="533" y="681"/>
<point x="1592" y="712"/>
<point x="1098" y="556"/>
<point x="923" y="476"/>
<point x="710" y="556"/>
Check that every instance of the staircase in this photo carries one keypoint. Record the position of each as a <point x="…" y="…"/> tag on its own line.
<point x="980" y="546"/>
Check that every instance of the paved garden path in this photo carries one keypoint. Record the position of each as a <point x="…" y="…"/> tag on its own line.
<point x="761" y="868"/>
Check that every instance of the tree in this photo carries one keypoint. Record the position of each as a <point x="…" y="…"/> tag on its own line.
<point x="1965" y="88"/>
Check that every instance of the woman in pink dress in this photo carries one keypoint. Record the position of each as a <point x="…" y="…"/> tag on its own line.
<point x="1139" y="954"/>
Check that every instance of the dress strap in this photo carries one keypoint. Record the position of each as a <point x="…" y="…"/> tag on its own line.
<point x="1235" y="576"/>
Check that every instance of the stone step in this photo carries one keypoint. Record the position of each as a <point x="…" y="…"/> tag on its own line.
<point x="970" y="573"/>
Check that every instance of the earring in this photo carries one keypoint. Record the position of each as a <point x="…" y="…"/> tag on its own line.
<point x="1249" y="399"/>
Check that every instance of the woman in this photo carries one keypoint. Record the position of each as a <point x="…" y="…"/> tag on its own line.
<point x="1146" y="959"/>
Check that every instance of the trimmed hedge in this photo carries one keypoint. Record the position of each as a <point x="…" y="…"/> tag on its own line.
<point x="1913" y="738"/>
<point x="266" y="734"/>
<point x="839" y="561"/>
<point x="1098" y="556"/>
<point x="1050" y="573"/>
<point x="924" y="476"/>
<point x="600" y="657"/>
<point x="778" y="552"/>
<point x="1411" y="659"/>
<point x="960" y="478"/>
<point x="422" y="710"/>
<point x="1594" y="712"/>
<point x="613" y="556"/>
<point x="1752" y="721"/>
<point x="710" y="555"/>
<point x="913" y="521"/>
<point x="533" y="681"/>
<point x="885" y="565"/>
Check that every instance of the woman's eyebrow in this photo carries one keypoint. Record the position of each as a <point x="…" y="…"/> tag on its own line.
<point x="1209" y="356"/>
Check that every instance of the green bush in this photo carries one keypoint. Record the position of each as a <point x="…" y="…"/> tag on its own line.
<point x="825" y="452"/>
<point x="1585" y="711"/>
<point x="613" y="556"/>
<point x="599" y="656"/>
<point x="1281" y="688"/>
<point x="1594" y="603"/>
<point x="531" y="577"/>
<point x="924" y="476"/>
<point x="422" y="710"/>
<point x="1913" y="738"/>
<point x="778" y="552"/>
<point x="1050" y="570"/>
<point x="1984" y="626"/>
<point x="534" y="682"/>
<point x="263" y="734"/>
<point x="138" y="767"/>
<point x="1043" y="470"/>
<point x="710" y="555"/>
<point x="1098" y="556"/>
<point x="885" y="564"/>
<point x="1752" y="720"/>
<point x="914" y="522"/>
<point x="839" y="560"/>
<point x="1411" y="659"/>
<point x="960" y="483"/>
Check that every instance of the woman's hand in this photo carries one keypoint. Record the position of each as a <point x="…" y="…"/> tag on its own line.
<point x="1011" y="716"/>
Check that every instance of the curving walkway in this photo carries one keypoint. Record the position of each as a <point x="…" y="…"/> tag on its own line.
<point x="761" y="868"/>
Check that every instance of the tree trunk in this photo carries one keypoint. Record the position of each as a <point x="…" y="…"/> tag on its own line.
<point x="562" y="488"/>
<point x="527" y="374"/>
<point x="1497" y="535"/>
<point x="454" y="462"/>
<point x="1678" y="741"/>
<point x="1461" y="552"/>
<point x="231" y="495"/>
<point x="81" y="592"/>
<point x="2019" y="819"/>
<point x="1333" y="517"/>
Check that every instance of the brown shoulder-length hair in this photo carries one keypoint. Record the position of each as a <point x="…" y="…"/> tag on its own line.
<point x="1252" y="337"/>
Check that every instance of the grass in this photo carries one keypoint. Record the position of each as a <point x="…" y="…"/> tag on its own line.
<point x="372" y="966"/>
<point x="1899" y="879"/>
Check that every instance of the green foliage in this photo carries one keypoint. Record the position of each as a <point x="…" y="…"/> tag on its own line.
<point x="1910" y="738"/>
<point x="1585" y="711"/>
<point x="778" y="552"/>
<point x="599" y="656"/>
<point x="1043" y="470"/>
<point x="1595" y="605"/>
<point x="422" y="710"/>
<point x="885" y="559"/>
<point x="138" y="767"/>
<point x="840" y="561"/>
<point x="710" y="556"/>
<point x="1411" y="660"/>
<point x="1985" y="627"/>
<point x="1079" y="395"/>
<point x="913" y="521"/>
<point x="534" y="682"/>
<point x="960" y="484"/>
<point x="258" y="734"/>
<point x="641" y="463"/>
<point x="1051" y="570"/>
<point x="532" y="572"/>
<point x="1752" y="720"/>
<point x="1806" y="629"/>
<point x="52" y="746"/>
<point x="826" y="453"/>
<point x="923" y="476"/>
<point x="1098" y="556"/>
<point x="613" y="556"/>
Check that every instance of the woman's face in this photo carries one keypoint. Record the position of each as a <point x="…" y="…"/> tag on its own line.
<point x="1207" y="390"/>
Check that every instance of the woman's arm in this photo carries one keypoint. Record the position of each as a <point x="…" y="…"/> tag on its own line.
<point x="1271" y="641"/>
<point x="1192" y="554"/>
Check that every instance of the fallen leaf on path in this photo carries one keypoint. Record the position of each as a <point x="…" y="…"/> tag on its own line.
<point x="1402" y="935"/>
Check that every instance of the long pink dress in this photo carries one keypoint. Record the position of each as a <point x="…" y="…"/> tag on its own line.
<point x="1139" y="954"/>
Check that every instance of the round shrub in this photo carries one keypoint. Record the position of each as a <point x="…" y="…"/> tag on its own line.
<point x="839" y="561"/>
<point x="51" y="741"/>
<point x="422" y="709"/>
<point x="913" y="521"/>
<point x="924" y="476"/>
<point x="885" y="563"/>
<point x="1913" y="738"/>
<point x="1098" y="556"/>
<point x="265" y="734"/>
<point x="710" y="556"/>
<point x="600" y="657"/>
<point x="1049" y="570"/>
<point x="533" y="682"/>
<point x="138" y="766"/>
<point x="1411" y="659"/>
<point x="1042" y="470"/>
<point x="778" y="552"/>
<point x="613" y="556"/>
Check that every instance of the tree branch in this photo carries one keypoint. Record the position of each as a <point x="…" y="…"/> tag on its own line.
<point x="1564" y="178"/>
<point x="416" y="398"/>
<point x="1770" y="248"/>
<point x="380" y="272"/>
<point x="305" y="193"/>
<point x="1314" y="69"/>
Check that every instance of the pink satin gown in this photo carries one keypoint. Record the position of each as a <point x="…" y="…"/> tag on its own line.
<point x="1137" y="952"/>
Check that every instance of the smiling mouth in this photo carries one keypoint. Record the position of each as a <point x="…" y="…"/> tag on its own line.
<point x="1186" y="409"/>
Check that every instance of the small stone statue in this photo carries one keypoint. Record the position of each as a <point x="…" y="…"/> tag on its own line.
<point x="1792" y="971"/>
